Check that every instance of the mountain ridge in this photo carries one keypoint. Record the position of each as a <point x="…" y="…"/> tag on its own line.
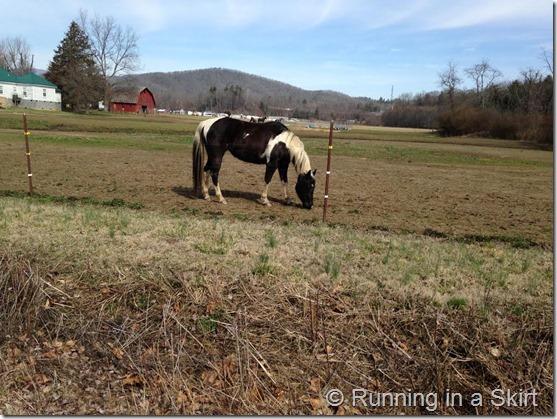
<point x="221" y="89"/>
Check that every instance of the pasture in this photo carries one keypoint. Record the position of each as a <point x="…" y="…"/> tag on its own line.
<point x="121" y="293"/>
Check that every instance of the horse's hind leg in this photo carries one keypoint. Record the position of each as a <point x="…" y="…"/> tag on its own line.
<point x="212" y="168"/>
<point x="215" y="177"/>
<point x="206" y="180"/>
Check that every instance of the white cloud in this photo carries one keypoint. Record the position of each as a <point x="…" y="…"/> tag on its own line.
<point x="460" y="14"/>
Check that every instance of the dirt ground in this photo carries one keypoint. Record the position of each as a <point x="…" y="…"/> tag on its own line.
<point x="499" y="201"/>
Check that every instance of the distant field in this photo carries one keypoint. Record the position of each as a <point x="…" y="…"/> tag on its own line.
<point x="122" y="293"/>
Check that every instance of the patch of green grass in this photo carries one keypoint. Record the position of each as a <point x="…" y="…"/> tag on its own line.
<point x="387" y="256"/>
<point x="263" y="267"/>
<point x="141" y="300"/>
<point x="331" y="265"/>
<point x="208" y="324"/>
<point x="218" y="246"/>
<point x="179" y="229"/>
<point x="407" y="276"/>
<point x="518" y="310"/>
<point x="457" y="303"/>
<point x="211" y="248"/>
<point x="271" y="239"/>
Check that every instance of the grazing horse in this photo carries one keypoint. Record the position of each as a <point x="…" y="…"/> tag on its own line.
<point x="269" y="143"/>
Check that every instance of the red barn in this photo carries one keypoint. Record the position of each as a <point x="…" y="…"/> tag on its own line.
<point x="143" y="102"/>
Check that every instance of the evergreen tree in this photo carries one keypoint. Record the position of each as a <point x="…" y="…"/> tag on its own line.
<point x="74" y="71"/>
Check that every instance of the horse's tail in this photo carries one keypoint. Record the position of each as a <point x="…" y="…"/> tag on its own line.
<point x="198" y="157"/>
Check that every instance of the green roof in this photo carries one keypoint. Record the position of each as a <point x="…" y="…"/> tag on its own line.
<point x="29" y="78"/>
<point x="5" y="75"/>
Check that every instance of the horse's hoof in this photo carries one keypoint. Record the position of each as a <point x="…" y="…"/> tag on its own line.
<point x="223" y="201"/>
<point x="264" y="202"/>
<point x="207" y="198"/>
<point x="289" y="202"/>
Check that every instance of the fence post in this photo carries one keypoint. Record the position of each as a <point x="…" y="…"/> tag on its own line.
<point x="26" y="134"/>
<point x="328" y="172"/>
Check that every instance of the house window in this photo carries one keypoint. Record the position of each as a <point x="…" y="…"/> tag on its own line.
<point x="25" y="92"/>
<point x="1" y="89"/>
<point x="44" y="92"/>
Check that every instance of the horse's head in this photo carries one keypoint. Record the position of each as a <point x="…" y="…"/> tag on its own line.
<point x="305" y="187"/>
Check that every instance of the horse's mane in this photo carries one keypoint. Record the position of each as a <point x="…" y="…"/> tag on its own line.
<point x="298" y="155"/>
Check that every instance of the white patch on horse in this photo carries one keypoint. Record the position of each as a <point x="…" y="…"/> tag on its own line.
<point x="271" y="145"/>
<point x="207" y="124"/>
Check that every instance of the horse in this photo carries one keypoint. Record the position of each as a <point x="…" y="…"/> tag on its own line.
<point x="269" y="143"/>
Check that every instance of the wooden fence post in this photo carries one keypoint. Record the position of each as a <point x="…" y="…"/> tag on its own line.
<point x="26" y="134"/>
<point x="328" y="172"/>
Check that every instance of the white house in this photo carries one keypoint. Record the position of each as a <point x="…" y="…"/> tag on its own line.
<point x="28" y="91"/>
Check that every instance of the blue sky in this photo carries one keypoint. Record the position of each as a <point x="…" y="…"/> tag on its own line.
<point x="358" y="47"/>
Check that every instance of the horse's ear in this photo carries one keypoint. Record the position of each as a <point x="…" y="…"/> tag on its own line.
<point x="314" y="172"/>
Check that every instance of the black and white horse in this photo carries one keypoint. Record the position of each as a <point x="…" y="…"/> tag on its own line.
<point x="269" y="143"/>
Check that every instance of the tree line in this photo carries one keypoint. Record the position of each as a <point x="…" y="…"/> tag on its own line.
<point x="521" y="109"/>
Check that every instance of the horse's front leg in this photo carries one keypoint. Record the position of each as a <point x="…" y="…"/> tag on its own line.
<point x="269" y="172"/>
<point x="287" y="199"/>
<point x="264" y="200"/>
<point x="218" y="193"/>
<point x="283" y="173"/>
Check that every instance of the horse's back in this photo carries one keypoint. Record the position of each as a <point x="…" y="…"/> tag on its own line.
<point x="233" y="127"/>
<point x="246" y="141"/>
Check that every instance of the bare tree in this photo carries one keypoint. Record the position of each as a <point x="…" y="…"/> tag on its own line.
<point x="533" y="89"/>
<point x="547" y="57"/>
<point x="484" y="75"/>
<point x="15" y="55"/>
<point x="114" y="48"/>
<point x="450" y="80"/>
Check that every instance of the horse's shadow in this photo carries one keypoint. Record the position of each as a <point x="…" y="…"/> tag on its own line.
<point x="227" y="193"/>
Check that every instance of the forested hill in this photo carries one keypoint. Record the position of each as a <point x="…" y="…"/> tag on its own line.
<point x="220" y="90"/>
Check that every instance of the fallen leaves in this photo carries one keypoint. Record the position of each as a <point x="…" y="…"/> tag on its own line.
<point x="58" y="349"/>
<point x="116" y="351"/>
<point x="132" y="379"/>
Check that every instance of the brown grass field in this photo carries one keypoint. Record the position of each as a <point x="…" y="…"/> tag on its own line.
<point x="122" y="293"/>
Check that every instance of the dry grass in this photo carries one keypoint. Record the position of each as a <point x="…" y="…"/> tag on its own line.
<point x="118" y="311"/>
